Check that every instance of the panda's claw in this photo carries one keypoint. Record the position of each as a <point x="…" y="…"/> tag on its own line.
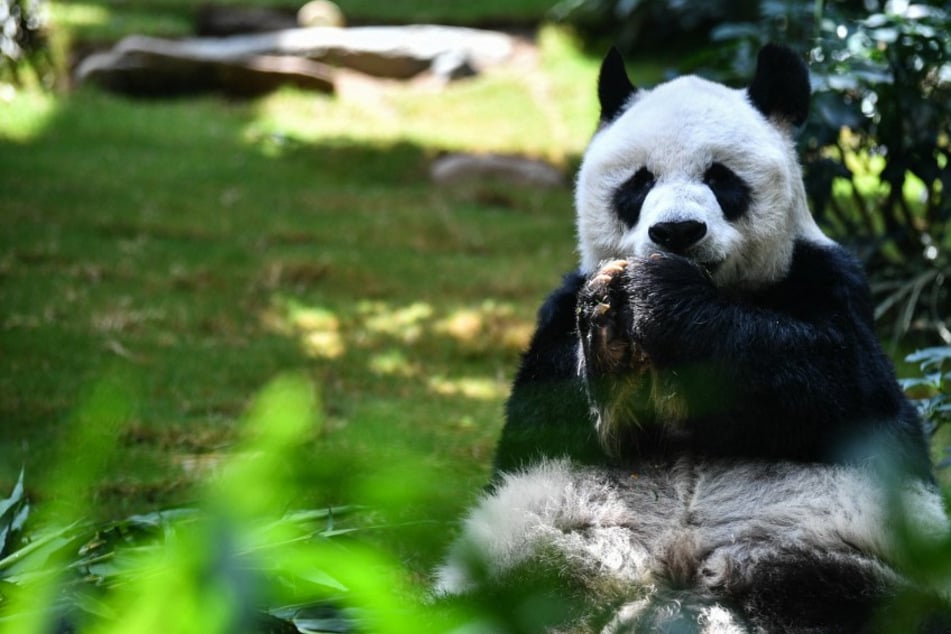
<point x="614" y="266"/>
<point x="600" y="305"/>
<point x="600" y="284"/>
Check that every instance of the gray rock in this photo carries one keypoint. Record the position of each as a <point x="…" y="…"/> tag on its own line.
<point x="145" y="64"/>
<point x="149" y="66"/>
<point x="453" y="169"/>
<point x="405" y="51"/>
<point x="452" y="65"/>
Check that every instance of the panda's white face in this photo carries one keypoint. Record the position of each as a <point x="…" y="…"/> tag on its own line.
<point x="692" y="167"/>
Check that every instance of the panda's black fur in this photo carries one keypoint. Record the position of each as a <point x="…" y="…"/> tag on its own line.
<point x="703" y="436"/>
<point x="791" y="371"/>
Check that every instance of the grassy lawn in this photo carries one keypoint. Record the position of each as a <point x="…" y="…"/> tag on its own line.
<point x="185" y="252"/>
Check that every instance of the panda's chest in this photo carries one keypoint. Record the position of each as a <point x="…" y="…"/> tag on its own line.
<point x="696" y="523"/>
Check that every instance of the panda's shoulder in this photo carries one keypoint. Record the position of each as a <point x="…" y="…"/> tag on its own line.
<point x="559" y="306"/>
<point x="817" y="260"/>
<point x="825" y="281"/>
<point x="826" y="268"/>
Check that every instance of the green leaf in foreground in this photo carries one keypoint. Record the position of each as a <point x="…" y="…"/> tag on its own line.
<point x="13" y="513"/>
<point x="238" y="561"/>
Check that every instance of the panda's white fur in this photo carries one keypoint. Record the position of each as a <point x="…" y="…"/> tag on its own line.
<point x="667" y="130"/>
<point x="703" y="524"/>
<point x="665" y="520"/>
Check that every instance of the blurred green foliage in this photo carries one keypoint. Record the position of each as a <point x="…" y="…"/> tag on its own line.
<point x="243" y="559"/>
<point x="23" y="42"/>
<point x="876" y="148"/>
<point x="649" y="26"/>
<point x="932" y="391"/>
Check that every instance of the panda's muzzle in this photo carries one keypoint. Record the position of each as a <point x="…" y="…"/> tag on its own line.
<point x="677" y="237"/>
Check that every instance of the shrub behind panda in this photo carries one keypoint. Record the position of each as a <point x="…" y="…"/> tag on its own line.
<point x="705" y="434"/>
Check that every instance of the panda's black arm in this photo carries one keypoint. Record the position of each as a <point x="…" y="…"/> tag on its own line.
<point x="794" y="371"/>
<point x="547" y="414"/>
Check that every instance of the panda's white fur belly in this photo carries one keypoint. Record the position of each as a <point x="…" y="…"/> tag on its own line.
<point x="696" y="525"/>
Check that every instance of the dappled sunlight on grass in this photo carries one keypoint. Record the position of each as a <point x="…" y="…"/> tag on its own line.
<point x="320" y="331"/>
<point x="26" y="115"/>
<point x="378" y="329"/>
<point x="323" y="343"/>
<point x="393" y="362"/>
<point x="489" y="324"/>
<point x="316" y="328"/>
<point x="479" y="388"/>
<point x="401" y="323"/>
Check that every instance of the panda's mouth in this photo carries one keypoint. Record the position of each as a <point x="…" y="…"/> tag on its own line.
<point x="707" y="259"/>
<point x="710" y="266"/>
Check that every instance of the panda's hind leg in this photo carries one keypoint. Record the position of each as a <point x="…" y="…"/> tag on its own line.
<point x="805" y="590"/>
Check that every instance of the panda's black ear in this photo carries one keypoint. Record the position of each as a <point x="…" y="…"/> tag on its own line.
<point x="614" y="87"/>
<point x="780" y="86"/>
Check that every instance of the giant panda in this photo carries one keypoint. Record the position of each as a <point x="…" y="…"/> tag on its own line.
<point x="704" y="434"/>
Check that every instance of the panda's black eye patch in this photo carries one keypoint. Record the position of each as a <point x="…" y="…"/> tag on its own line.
<point x="732" y="193"/>
<point x="629" y="197"/>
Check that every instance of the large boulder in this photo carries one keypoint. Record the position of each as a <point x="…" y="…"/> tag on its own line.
<point x="139" y="63"/>
<point x="149" y="66"/>
<point x="403" y="51"/>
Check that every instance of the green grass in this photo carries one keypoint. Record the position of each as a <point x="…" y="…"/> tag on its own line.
<point x="194" y="249"/>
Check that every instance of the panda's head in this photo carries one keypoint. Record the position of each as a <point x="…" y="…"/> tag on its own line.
<point x="698" y="169"/>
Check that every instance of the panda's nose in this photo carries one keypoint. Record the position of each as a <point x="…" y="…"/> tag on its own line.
<point x="677" y="237"/>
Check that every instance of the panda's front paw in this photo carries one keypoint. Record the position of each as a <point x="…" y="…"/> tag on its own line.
<point x="615" y="370"/>
<point x="606" y="344"/>
<point x="668" y="296"/>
